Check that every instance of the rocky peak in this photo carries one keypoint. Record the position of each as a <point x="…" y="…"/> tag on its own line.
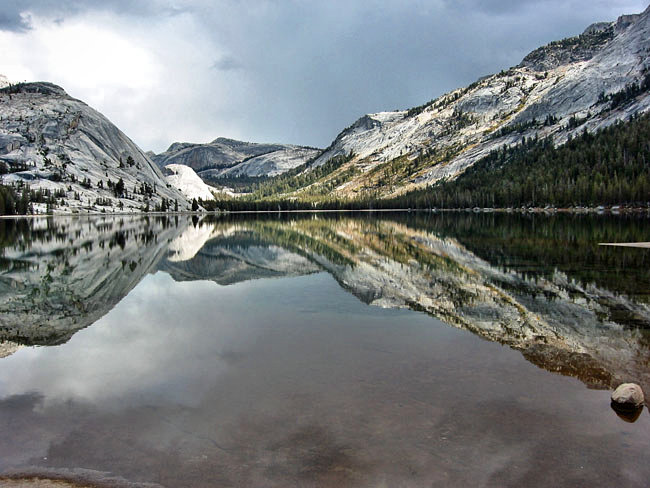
<point x="558" y="90"/>
<point x="229" y="142"/>
<point x="367" y="122"/>
<point x="42" y="87"/>
<point x="597" y="27"/>
<point x="54" y="143"/>
<point x="179" y="146"/>
<point x="224" y="158"/>
<point x="582" y="47"/>
<point x="571" y="49"/>
<point x="624" y="21"/>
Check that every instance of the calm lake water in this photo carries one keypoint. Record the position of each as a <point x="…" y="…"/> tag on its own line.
<point x="326" y="350"/>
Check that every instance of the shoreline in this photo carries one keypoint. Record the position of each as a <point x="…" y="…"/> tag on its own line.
<point x="600" y="210"/>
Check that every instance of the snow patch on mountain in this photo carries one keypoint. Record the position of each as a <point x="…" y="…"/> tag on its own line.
<point x="188" y="182"/>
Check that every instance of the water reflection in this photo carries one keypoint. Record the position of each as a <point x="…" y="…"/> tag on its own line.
<point x="58" y="276"/>
<point x="241" y="352"/>
<point x="540" y="285"/>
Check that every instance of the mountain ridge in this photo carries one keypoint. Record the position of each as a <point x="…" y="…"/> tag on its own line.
<point x="67" y="150"/>
<point x="226" y="158"/>
<point x="395" y="152"/>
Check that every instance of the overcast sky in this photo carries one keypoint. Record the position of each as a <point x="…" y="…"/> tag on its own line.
<point x="273" y="70"/>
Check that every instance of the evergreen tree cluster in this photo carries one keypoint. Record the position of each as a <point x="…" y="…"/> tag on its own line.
<point x="629" y="93"/>
<point x="299" y="178"/>
<point x="607" y="168"/>
<point x="20" y="200"/>
<point x="10" y="202"/>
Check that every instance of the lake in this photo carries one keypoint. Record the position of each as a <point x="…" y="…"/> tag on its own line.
<point x="330" y="350"/>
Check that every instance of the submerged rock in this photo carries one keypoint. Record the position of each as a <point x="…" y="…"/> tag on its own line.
<point x="628" y="396"/>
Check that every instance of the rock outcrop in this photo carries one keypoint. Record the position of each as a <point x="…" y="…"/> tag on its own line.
<point x="53" y="142"/>
<point x="628" y="396"/>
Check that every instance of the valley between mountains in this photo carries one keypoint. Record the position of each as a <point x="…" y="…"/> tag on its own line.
<point x="59" y="155"/>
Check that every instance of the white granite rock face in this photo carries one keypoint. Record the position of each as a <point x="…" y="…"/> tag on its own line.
<point x="273" y="163"/>
<point x="563" y="80"/>
<point x="52" y="141"/>
<point x="230" y="158"/>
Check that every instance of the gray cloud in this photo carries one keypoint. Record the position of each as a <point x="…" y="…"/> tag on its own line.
<point x="227" y="63"/>
<point x="315" y="68"/>
<point x="312" y="68"/>
<point x="15" y="13"/>
<point x="13" y="20"/>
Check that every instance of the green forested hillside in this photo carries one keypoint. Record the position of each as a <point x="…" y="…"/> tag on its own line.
<point x="607" y="168"/>
<point x="610" y="167"/>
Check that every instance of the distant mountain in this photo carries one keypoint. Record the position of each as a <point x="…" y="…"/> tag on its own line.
<point x="582" y="83"/>
<point x="61" y="146"/>
<point x="229" y="158"/>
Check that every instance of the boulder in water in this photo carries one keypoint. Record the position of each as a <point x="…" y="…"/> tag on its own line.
<point x="628" y="396"/>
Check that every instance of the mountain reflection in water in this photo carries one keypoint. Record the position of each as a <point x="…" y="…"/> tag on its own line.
<point x="538" y="284"/>
<point x="541" y="285"/>
<point x="235" y="351"/>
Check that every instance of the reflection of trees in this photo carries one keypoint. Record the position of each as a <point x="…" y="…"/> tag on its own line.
<point x="60" y="275"/>
<point x="539" y="285"/>
<point x="538" y="245"/>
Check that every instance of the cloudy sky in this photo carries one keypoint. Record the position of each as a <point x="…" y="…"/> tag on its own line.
<point x="293" y="71"/>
